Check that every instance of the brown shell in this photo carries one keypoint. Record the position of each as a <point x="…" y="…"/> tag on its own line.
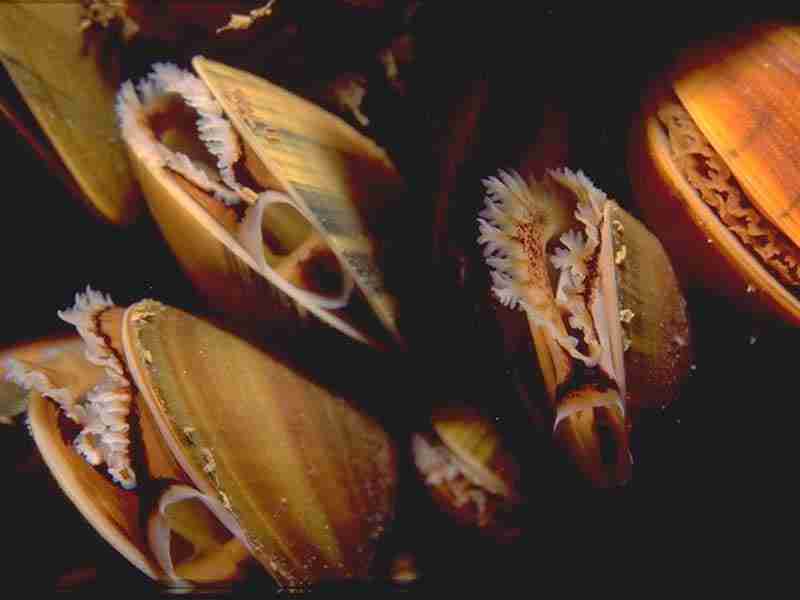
<point x="739" y="94"/>
<point x="66" y="87"/>
<point x="309" y="478"/>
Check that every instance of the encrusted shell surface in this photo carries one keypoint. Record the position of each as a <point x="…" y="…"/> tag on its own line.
<point x="653" y="314"/>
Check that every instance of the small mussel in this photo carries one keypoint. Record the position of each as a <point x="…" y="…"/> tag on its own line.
<point x="606" y="316"/>
<point x="714" y="166"/>
<point x="469" y="471"/>
<point x="215" y="452"/>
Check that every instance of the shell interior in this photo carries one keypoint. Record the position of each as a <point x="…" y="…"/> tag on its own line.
<point x="212" y="556"/>
<point x="748" y="268"/>
<point x="740" y="92"/>
<point x="112" y="511"/>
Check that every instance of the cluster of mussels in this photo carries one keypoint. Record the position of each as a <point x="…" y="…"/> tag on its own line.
<point x="200" y="452"/>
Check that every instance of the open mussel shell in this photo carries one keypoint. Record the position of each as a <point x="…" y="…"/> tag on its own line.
<point x="113" y="512"/>
<point x="608" y="327"/>
<point x="69" y="90"/>
<point x="470" y="471"/>
<point x="213" y="556"/>
<point x="54" y="369"/>
<point x="230" y="456"/>
<point x="713" y="166"/>
<point x="269" y="203"/>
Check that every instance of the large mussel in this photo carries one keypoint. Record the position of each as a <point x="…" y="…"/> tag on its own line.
<point x="215" y="451"/>
<point x="713" y="163"/>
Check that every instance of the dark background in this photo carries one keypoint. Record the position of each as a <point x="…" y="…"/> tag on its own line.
<point x="714" y="471"/>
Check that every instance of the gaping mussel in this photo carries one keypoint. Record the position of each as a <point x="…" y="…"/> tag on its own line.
<point x="267" y="201"/>
<point x="605" y="311"/>
<point x="713" y="165"/>
<point x="208" y="439"/>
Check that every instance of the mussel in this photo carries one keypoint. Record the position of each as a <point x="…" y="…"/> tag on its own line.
<point x="68" y="89"/>
<point x="469" y="471"/>
<point x="606" y="313"/>
<point x="67" y="59"/>
<point x="713" y="165"/>
<point x="216" y="452"/>
<point x="267" y="201"/>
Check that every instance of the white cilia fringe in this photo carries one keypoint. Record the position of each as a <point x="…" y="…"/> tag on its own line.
<point x="29" y="377"/>
<point x="512" y="230"/>
<point x="101" y="411"/>
<point x="439" y="467"/>
<point x="105" y="434"/>
<point x="215" y="131"/>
